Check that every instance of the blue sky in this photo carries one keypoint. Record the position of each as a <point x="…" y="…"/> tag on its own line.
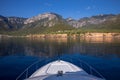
<point x="67" y="8"/>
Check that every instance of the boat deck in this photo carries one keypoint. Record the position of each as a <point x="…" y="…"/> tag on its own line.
<point x="61" y="70"/>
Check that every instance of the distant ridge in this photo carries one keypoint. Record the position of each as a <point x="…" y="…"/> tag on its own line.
<point x="51" y="21"/>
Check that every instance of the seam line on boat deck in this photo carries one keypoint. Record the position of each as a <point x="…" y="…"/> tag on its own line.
<point x="47" y="68"/>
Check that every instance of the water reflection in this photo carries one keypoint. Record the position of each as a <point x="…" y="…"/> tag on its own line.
<point x="22" y="52"/>
<point x="54" y="47"/>
<point x="101" y="40"/>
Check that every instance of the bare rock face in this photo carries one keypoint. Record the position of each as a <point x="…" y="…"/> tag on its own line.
<point x="16" y="20"/>
<point x="108" y="21"/>
<point x="3" y="23"/>
<point x="46" y="19"/>
<point x="73" y="22"/>
<point x="50" y="19"/>
<point x="11" y="22"/>
<point x="98" y="19"/>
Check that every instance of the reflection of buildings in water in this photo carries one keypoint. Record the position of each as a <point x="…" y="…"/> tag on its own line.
<point x="0" y="38"/>
<point x="29" y="51"/>
<point x="98" y="40"/>
<point x="50" y="39"/>
<point x="59" y="40"/>
<point x="54" y="47"/>
<point x="44" y="49"/>
<point x="90" y="46"/>
<point x="95" y="49"/>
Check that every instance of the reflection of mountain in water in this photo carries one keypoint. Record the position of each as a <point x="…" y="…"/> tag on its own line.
<point x="101" y="40"/>
<point x="51" y="48"/>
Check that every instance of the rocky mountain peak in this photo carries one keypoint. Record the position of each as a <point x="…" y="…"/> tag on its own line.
<point x="2" y="18"/>
<point x="16" y="20"/>
<point x="70" y="19"/>
<point x="11" y="22"/>
<point x="51" y="19"/>
<point x="45" y="16"/>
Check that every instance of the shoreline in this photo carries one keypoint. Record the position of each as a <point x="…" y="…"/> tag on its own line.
<point x="82" y="35"/>
<point x="87" y="37"/>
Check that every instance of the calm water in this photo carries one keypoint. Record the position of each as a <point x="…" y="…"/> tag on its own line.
<point x="16" y="54"/>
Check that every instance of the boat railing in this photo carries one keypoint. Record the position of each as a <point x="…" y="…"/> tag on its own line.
<point x="89" y="69"/>
<point x="26" y="73"/>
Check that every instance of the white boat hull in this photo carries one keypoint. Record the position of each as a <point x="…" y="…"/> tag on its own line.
<point x="68" y="72"/>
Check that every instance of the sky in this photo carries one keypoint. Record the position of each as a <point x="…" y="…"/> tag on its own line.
<point x="67" y="8"/>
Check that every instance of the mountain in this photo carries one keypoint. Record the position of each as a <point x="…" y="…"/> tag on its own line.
<point x="51" y="19"/>
<point x="16" y="22"/>
<point x="3" y="23"/>
<point x="98" y="20"/>
<point x="45" y="23"/>
<point x="11" y="23"/>
<point x="52" y="22"/>
<point x="42" y="20"/>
